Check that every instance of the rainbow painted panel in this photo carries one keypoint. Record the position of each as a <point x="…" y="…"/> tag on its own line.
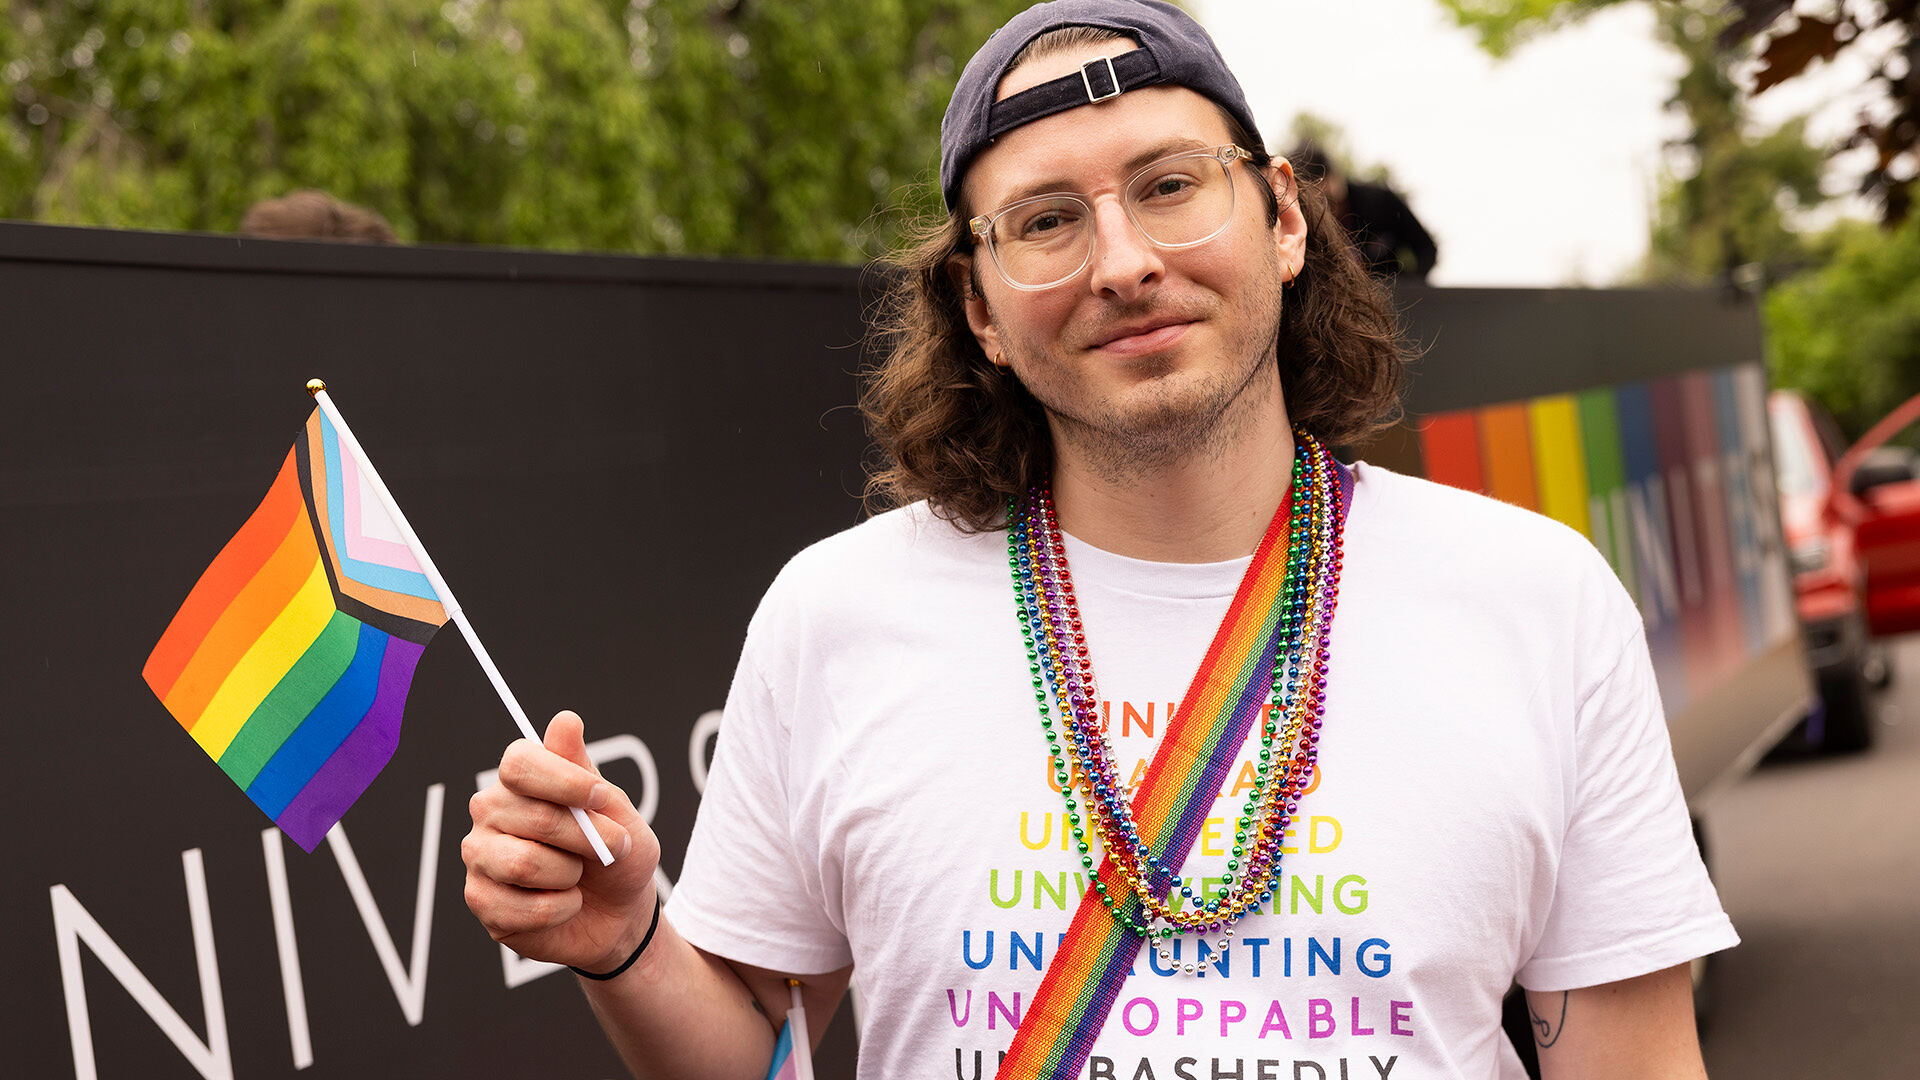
<point x="1608" y="524"/>
<point x="1506" y="454"/>
<point x="289" y="662"/>
<point x="1559" y="460"/>
<point x="1670" y="480"/>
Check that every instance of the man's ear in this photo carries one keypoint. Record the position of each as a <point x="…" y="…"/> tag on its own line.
<point x="961" y="269"/>
<point x="1290" y="231"/>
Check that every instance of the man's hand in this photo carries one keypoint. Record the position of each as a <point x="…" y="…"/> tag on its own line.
<point x="1634" y="1029"/>
<point x="535" y="884"/>
<point x="532" y="878"/>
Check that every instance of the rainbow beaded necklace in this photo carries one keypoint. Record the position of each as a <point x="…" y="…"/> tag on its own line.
<point x="1268" y="662"/>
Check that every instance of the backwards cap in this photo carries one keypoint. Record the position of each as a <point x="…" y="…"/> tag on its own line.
<point x="1173" y="49"/>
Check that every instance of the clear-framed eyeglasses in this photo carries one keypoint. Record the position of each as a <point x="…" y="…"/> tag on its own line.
<point x="1179" y="201"/>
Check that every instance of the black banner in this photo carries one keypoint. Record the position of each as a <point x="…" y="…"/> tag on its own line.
<point x="609" y="458"/>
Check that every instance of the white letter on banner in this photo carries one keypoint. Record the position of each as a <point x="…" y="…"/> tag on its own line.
<point x="703" y="729"/>
<point x="298" y="1033"/>
<point x="72" y="923"/>
<point x="410" y="983"/>
<point x="1653" y="552"/>
<point x="1623" y="540"/>
<point x="518" y="970"/>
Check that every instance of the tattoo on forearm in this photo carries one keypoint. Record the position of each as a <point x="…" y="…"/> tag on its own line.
<point x="1547" y="1032"/>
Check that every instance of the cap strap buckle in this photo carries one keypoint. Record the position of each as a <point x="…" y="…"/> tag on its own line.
<point x="1101" y="69"/>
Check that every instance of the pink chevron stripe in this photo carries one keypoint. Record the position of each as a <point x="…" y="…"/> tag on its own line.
<point x="786" y="1062"/>
<point x="360" y="546"/>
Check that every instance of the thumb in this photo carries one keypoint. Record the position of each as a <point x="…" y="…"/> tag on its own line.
<point x="567" y="737"/>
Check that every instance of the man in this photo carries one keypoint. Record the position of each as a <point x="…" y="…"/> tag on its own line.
<point x="1427" y="760"/>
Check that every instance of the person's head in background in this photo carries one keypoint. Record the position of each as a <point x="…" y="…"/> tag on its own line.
<point x="309" y="214"/>
<point x="1313" y="166"/>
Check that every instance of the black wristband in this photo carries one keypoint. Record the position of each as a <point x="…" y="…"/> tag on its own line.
<point x="655" y="925"/>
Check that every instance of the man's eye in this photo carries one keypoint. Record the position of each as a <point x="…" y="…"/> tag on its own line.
<point x="1170" y="186"/>
<point x="1044" y="224"/>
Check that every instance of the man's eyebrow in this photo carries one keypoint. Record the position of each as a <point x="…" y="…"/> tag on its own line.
<point x="1143" y="157"/>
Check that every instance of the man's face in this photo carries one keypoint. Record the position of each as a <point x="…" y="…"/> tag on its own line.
<point x="1147" y="349"/>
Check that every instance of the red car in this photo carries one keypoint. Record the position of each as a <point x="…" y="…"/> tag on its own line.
<point x="1852" y="521"/>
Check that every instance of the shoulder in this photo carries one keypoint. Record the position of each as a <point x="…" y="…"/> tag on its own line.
<point x="1410" y="509"/>
<point x="1471" y="553"/>
<point x="878" y="571"/>
<point x="908" y="541"/>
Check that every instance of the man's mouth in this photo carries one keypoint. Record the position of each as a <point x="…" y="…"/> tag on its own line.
<point x="1133" y="339"/>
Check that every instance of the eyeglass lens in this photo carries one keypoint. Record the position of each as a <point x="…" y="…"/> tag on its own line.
<point x="1175" y="203"/>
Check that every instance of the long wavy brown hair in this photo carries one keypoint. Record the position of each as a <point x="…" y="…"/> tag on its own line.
<point x="955" y="430"/>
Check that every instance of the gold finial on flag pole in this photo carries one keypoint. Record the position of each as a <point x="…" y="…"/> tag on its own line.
<point x="315" y="386"/>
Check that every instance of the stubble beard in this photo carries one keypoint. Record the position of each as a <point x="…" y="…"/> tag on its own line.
<point x="1165" y="424"/>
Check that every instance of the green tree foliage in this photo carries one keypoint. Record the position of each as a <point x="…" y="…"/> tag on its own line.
<point x="1726" y="215"/>
<point x="1846" y="327"/>
<point x="718" y="127"/>
<point x="785" y="124"/>
<point x="1849" y="332"/>
<point x="1725" y="212"/>
<point x="1789" y="42"/>
<point x="1502" y="25"/>
<point x="16" y="142"/>
<point x="1332" y="140"/>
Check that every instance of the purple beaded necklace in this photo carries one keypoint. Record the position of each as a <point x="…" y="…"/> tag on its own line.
<point x="1084" y="763"/>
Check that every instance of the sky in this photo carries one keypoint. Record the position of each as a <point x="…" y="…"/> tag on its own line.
<point x="1536" y="170"/>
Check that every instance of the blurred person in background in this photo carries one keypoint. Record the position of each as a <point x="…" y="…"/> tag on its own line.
<point x="310" y="214"/>
<point x="1389" y="237"/>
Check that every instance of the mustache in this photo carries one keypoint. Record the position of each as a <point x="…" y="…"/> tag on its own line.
<point x="1101" y="324"/>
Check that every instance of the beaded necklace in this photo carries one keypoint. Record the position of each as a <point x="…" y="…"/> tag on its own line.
<point x="1083" y="761"/>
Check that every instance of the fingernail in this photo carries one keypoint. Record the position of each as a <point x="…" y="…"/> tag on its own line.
<point x="626" y="845"/>
<point x="599" y="796"/>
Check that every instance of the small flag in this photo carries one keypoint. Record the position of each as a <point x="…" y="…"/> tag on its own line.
<point x="793" y="1051"/>
<point x="290" y="661"/>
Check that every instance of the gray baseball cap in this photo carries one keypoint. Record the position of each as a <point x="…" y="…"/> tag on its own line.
<point x="1173" y="49"/>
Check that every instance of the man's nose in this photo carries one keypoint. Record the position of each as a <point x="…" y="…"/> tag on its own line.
<point x="1125" y="263"/>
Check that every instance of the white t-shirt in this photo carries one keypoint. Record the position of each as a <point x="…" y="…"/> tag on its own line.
<point x="1497" y="800"/>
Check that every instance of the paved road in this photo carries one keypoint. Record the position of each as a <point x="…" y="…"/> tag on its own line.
<point x="1818" y="862"/>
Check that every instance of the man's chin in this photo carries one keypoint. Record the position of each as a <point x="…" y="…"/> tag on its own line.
<point x="1162" y="415"/>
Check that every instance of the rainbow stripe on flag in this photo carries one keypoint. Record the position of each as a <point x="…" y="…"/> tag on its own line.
<point x="290" y="660"/>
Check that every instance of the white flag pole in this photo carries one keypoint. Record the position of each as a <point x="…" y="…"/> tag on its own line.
<point x="802" y="1041"/>
<point x="318" y="389"/>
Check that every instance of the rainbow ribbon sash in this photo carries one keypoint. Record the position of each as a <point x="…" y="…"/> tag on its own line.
<point x="289" y="662"/>
<point x="1197" y="752"/>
